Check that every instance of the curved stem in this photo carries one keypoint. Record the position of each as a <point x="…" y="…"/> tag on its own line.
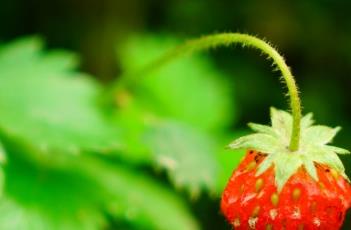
<point x="227" y="39"/>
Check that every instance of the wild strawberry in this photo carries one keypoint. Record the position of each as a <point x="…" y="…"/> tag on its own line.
<point x="275" y="188"/>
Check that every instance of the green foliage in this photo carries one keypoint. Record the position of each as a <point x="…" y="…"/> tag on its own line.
<point x="139" y="199"/>
<point x="37" y="197"/>
<point x="2" y="161"/>
<point x="80" y="193"/>
<point x="74" y="164"/>
<point x="48" y="105"/>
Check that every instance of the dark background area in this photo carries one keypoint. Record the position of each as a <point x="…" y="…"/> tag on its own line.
<point x="314" y="36"/>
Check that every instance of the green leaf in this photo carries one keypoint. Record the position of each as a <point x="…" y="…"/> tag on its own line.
<point x="189" y="89"/>
<point x="2" y="153"/>
<point x="84" y="194"/>
<point x="41" y="198"/>
<point x="2" y="162"/>
<point x="139" y="200"/>
<point x="48" y="105"/>
<point x="320" y="134"/>
<point x="186" y="153"/>
<point x="133" y="122"/>
<point x="28" y="53"/>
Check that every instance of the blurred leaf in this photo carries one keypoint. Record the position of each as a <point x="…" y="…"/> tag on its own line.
<point x="133" y="120"/>
<point x="141" y="201"/>
<point x="186" y="153"/>
<point x="16" y="217"/>
<point x="188" y="89"/>
<point x="45" y="103"/>
<point x="78" y="195"/>
<point x="40" y="198"/>
<point x="2" y="161"/>
<point x="28" y="54"/>
<point x="2" y="153"/>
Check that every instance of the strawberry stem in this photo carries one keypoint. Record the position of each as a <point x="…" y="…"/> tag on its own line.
<point x="227" y="39"/>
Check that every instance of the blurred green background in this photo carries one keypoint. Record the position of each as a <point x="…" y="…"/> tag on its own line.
<point x="178" y="112"/>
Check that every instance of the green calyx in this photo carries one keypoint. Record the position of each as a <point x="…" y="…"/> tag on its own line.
<point x="274" y="141"/>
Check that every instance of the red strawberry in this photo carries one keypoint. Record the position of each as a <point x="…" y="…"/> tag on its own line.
<point x="287" y="190"/>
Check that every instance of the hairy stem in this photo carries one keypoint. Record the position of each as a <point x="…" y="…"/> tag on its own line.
<point x="227" y="39"/>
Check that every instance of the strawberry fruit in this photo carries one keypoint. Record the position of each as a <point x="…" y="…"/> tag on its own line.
<point x="274" y="188"/>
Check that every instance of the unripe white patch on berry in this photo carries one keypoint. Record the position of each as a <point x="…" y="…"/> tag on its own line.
<point x="236" y="222"/>
<point x="316" y="221"/>
<point x="343" y="200"/>
<point x="296" y="213"/>
<point x="260" y="194"/>
<point x="252" y="222"/>
<point x="273" y="213"/>
<point x="232" y="200"/>
<point x="248" y="197"/>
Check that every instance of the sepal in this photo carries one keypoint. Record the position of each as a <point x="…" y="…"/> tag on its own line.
<point x="258" y="141"/>
<point x="319" y="134"/>
<point x="286" y="165"/>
